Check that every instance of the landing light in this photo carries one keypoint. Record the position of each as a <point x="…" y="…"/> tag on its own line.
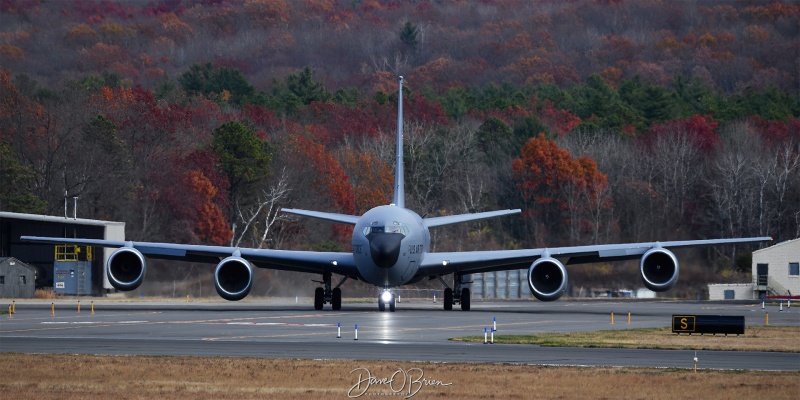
<point x="386" y="296"/>
<point x="445" y="262"/>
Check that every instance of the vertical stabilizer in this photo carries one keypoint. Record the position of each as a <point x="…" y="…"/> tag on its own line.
<point x="399" y="186"/>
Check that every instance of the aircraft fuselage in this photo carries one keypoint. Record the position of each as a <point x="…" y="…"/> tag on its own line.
<point x="389" y="243"/>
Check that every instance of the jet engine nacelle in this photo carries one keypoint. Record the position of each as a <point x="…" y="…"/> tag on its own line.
<point x="659" y="269"/>
<point x="547" y="279"/>
<point x="125" y="269"/>
<point x="233" y="278"/>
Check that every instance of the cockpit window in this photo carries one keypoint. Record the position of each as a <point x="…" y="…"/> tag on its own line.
<point x="371" y="230"/>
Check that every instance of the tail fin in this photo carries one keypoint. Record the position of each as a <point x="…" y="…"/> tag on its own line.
<point x="399" y="182"/>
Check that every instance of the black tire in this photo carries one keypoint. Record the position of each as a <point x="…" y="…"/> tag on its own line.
<point x="336" y="299"/>
<point x="319" y="298"/>
<point x="448" y="299"/>
<point x="465" y="299"/>
<point x="381" y="305"/>
<point x="392" y="304"/>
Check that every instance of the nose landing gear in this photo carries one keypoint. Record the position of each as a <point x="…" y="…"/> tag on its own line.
<point x="387" y="298"/>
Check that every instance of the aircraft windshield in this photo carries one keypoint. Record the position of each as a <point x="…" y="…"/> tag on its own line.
<point x="371" y="230"/>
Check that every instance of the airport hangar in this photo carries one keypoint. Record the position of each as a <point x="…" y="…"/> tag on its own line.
<point x="72" y="270"/>
<point x="775" y="271"/>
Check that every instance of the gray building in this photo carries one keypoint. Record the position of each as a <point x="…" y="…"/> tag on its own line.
<point x="88" y="274"/>
<point x="16" y="279"/>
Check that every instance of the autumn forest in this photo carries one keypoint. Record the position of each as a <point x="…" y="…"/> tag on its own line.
<point x="194" y="121"/>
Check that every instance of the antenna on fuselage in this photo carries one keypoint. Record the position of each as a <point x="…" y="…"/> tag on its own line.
<point x="399" y="186"/>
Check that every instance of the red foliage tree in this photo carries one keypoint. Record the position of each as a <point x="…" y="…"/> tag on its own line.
<point x="343" y="121"/>
<point x="560" y="122"/>
<point x="701" y="130"/>
<point x="776" y="133"/>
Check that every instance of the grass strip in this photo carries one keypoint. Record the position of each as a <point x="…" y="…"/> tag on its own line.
<point x="756" y="338"/>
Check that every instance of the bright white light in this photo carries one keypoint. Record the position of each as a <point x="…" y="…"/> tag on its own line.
<point x="386" y="296"/>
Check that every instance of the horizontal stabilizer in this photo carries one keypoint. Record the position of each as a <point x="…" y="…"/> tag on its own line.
<point x="340" y="218"/>
<point x="457" y="219"/>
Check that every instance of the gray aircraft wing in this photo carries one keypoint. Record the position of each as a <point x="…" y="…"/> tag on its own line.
<point x="457" y="219"/>
<point x="334" y="217"/>
<point x="501" y="260"/>
<point x="288" y="260"/>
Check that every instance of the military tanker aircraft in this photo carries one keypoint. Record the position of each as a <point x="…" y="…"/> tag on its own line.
<point x="391" y="248"/>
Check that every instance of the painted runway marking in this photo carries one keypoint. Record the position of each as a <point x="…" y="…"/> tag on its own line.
<point x="91" y="322"/>
<point x="278" y="324"/>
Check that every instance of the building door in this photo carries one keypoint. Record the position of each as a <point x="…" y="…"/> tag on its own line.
<point x="762" y="270"/>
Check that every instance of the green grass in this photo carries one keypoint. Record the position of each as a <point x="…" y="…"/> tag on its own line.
<point x="756" y="338"/>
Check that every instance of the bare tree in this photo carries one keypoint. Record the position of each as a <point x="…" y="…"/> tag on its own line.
<point x="737" y="187"/>
<point x="785" y="180"/>
<point x="257" y="221"/>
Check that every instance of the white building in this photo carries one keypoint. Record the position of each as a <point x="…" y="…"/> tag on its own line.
<point x="775" y="270"/>
<point x="731" y="291"/>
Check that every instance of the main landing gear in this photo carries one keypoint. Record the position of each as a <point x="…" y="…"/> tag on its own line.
<point x="328" y="295"/>
<point x="387" y="298"/>
<point x="457" y="294"/>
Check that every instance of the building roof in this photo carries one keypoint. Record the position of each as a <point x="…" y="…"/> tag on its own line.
<point x="784" y="243"/>
<point x="60" y="220"/>
<point x="750" y="284"/>
<point x="16" y="262"/>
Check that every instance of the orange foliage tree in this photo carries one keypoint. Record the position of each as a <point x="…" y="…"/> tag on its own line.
<point x="330" y="178"/>
<point x="210" y="224"/>
<point x="559" y="189"/>
<point x="267" y="12"/>
<point x="371" y="178"/>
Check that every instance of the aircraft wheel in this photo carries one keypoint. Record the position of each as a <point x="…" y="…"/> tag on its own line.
<point x="381" y="305"/>
<point x="392" y="304"/>
<point x="319" y="298"/>
<point x="336" y="299"/>
<point x="448" y="299"/>
<point x="465" y="299"/>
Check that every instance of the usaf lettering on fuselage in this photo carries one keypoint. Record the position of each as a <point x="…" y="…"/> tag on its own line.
<point x="415" y="248"/>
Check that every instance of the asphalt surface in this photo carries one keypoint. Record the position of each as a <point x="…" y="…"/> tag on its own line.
<point x="418" y="331"/>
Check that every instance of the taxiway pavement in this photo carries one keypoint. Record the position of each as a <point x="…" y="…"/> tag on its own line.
<point x="418" y="331"/>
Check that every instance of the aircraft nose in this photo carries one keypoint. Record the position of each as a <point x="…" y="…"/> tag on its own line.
<point x="385" y="249"/>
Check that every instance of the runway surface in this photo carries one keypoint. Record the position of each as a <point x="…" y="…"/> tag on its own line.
<point x="418" y="331"/>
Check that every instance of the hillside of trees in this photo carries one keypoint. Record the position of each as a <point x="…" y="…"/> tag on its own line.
<point x="195" y="120"/>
